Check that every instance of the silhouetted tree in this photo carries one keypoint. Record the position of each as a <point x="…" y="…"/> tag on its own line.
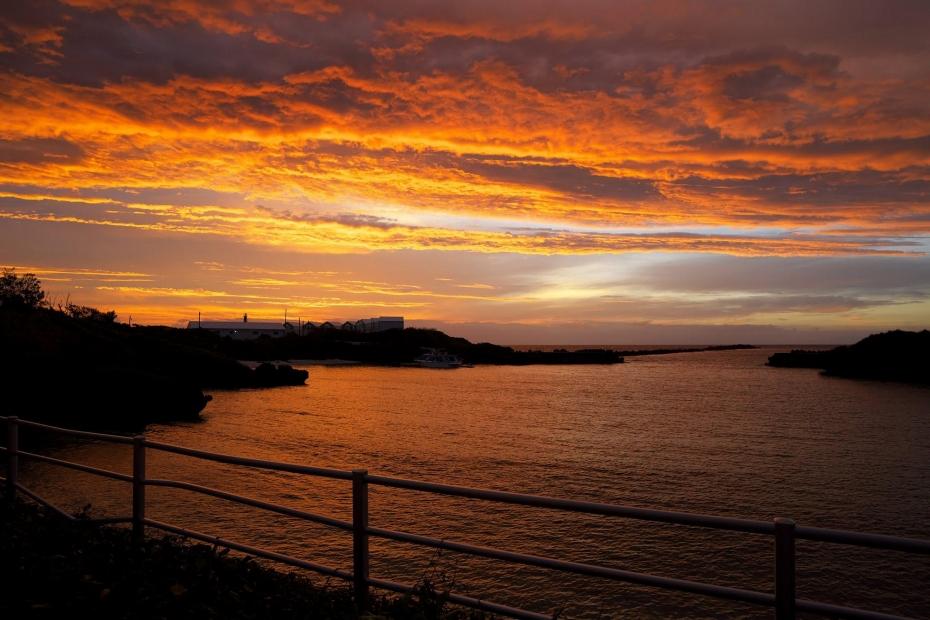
<point x="23" y="291"/>
<point x="86" y="313"/>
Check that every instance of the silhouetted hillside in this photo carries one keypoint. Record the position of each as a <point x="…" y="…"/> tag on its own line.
<point x="889" y="356"/>
<point x="391" y="347"/>
<point x="86" y="370"/>
<point x="91" y="372"/>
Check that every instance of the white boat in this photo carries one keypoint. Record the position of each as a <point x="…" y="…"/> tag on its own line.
<point x="438" y="359"/>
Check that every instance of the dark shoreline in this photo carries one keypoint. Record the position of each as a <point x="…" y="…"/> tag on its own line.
<point x="393" y="347"/>
<point x="84" y="370"/>
<point x="707" y="349"/>
<point x="899" y="356"/>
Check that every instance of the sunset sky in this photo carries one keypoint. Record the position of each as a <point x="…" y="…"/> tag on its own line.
<point x="551" y="172"/>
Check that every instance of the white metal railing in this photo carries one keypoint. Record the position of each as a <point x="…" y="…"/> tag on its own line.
<point x="784" y="531"/>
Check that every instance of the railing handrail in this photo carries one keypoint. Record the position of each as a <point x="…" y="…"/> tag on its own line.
<point x="839" y="536"/>
<point x="581" y="568"/>
<point x="864" y="539"/>
<point x="294" y="468"/>
<point x="785" y="530"/>
<point x="249" y="501"/>
<point x="70" y="431"/>
<point x="612" y="510"/>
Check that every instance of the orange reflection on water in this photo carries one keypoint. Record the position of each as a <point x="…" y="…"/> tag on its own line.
<point x="715" y="433"/>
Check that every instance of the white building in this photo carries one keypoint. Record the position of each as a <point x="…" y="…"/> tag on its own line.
<point x="244" y="329"/>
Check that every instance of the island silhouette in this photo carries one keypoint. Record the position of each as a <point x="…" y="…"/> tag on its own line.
<point x="890" y="356"/>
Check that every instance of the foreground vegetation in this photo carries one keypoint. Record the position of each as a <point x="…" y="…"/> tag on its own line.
<point x="86" y="372"/>
<point x="889" y="356"/>
<point x="77" y="366"/>
<point x="50" y="568"/>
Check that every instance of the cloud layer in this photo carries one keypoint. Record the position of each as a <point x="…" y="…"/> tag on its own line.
<point x="555" y="129"/>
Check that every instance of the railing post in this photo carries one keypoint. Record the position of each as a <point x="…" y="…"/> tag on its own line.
<point x="138" y="489"/>
<point x="784" y="569"/>
<point x="12" y="458"/>
<point x="360" y="538"/>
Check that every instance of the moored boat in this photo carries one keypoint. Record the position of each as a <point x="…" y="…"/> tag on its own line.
<point x="438" y="359"/>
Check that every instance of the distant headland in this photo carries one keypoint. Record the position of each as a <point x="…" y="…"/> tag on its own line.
<point x="889" y="356"/>
<point x="379" y="340"/>
<point x="77" y="366"/>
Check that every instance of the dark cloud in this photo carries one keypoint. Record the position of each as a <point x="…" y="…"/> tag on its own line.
<point x="569" y="179"/>
<point x="863" y="187"/>
<point x="37" y="151"/>
<point x="66" y="210"/>
<point x="769" y="83"/>
<point x="590" y="45"/>
<point x="105" y="48"/>
<point x="880" y="276"/>
<point x="102" y="46"/>
<point x="553" y="174"/>
<point x="344" y="219"/>
<point x="605" y="332"/>
<point x="710" y="140"/>
<point x="756" y="58"/>
<point x="620" y="37"/>
<point x="180" y="196"/>
<point x="735" y="308"/>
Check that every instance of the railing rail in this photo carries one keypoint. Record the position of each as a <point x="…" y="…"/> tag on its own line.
<point x="784" y="531"/>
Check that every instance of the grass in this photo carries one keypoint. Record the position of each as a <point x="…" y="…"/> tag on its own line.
<point x="53" y="568"/>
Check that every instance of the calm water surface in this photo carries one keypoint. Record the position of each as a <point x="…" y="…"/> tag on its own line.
<point x="713" y="432"/>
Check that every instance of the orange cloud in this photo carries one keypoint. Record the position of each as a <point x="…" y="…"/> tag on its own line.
<point x="620" y="174"/>
<point x="283" y="230"/>
<point x="358" y="127"/>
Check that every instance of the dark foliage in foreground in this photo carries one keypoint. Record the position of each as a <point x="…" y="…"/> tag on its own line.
<point x="50" y="568"/>
<point x="76" y="370"/>
<point x="889" y="356"/>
